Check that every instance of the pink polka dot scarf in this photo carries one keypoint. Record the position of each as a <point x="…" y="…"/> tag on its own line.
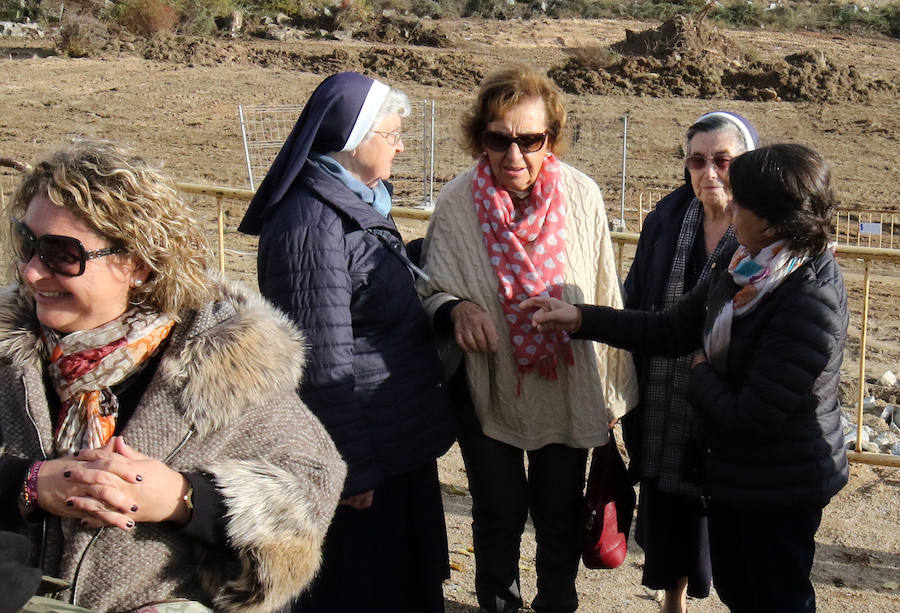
<point x="527" y="249"/>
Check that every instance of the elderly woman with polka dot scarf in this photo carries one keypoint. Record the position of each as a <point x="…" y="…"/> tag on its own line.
<point x="522" y="223"/>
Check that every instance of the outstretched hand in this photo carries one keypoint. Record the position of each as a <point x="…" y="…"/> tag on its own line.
<point x="552" y="314"/>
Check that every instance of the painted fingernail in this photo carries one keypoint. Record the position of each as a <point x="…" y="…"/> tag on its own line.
<point x="129" y="524"/>
<point x="67" y="474"/>
<point x="76" y="453"/>
<point x="69" y="503"/>
<point x="134" y="508"/>
<point x="138" y="478"/>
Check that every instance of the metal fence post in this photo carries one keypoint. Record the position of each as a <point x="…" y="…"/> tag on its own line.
<point x="621" y="224"/>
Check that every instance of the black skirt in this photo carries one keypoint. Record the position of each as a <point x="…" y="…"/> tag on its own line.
<point x="392" y="557"/>
<point x="674" y="534"/>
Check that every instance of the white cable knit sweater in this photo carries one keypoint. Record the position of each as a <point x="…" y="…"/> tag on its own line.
<point x="575" y="409"/>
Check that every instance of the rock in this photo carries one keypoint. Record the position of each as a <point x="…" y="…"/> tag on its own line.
<point x="895" y="449"/>
<point x="868" y="403"/>
<point x="282" y="19"/>
<point x="850" y="437"/>
<point x="284" y="33"/>
<point x="891" y="416"/>
<point x="888" y="379"/>
<point x="875" y="423"/>
<point x="767" y="93"/>
<point x="870" y="447"/>
<point x="14" y="29"/>
<point x="885" y="441"/>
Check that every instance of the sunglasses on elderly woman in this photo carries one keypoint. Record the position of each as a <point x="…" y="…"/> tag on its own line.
<point x="527" y="143"/>
<point x="63" y="255"/>
<point x="699" y="162"/>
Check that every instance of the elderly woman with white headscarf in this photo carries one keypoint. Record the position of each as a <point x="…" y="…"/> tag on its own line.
<point x="681" y="240"/>
<point x="331" y="257"/>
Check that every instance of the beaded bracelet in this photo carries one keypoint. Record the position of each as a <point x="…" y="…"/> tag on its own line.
<point x="29" y="488"/>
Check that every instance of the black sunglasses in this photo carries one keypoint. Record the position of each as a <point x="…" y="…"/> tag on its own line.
<point x="528" y="143"/>
<point x="63" y="255"/>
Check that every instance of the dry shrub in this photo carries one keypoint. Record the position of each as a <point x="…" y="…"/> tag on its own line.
<point x="351" y="14"/>
<point x="81" y="35"/>
<point x="147" y="17"/>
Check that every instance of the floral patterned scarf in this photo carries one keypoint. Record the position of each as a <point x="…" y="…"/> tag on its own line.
<point x="527" y="250"/>
<point x="86" y="364"/>
<point x="757" y="275"/>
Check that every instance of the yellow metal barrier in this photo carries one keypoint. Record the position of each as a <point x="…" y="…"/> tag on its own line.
<point x="867" y="254"/>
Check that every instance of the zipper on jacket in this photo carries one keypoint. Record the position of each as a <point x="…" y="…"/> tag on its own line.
<point x="84" y="553"/>
<point x="42" y="558"/>
<point x="37" y="430"/>
<point x="172" y="454"/>
<point x="415" y="270"/>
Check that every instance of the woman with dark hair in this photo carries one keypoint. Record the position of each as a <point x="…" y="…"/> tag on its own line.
<point x="680" y="242"/>
<point x="520" y="222"/>
<point x="331" y="258"/>
<point x="769" y="337"/>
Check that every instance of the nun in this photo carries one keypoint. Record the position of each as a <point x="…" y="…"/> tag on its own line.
<point x="331" y="257"/>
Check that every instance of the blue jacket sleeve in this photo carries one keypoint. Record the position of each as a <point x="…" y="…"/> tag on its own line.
<point x="303" y="270"/>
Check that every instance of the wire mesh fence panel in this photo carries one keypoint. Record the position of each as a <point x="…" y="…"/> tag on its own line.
<point x="411" y="170"/>
<point x="264" y="129"/>
<point x="450" y="159"/>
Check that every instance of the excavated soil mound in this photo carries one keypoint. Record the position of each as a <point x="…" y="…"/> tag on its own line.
<point x="449" y="70"/>
<point x="191" y="51"/>
<point x="689" y="59"/>
<point x="394" y="64"/>
<point x="402" y="31"/>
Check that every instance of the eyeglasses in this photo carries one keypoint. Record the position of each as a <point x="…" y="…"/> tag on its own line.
<point x="527" y="143"/>
<point x="63" y="255"/>
<point x="392" y="138"/>
<point x="699" y="162"/>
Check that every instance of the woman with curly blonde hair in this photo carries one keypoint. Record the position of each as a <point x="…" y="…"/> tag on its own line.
<point x="114" y="330"/>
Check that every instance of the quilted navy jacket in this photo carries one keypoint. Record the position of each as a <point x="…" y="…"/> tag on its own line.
<point x="372" y="376"/>
<point x="772" y="418"/>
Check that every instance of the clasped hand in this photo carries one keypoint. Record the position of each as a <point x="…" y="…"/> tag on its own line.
<point x="114" y="485"/>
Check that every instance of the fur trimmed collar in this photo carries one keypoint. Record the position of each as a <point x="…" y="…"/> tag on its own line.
<point x="235" y="351"/>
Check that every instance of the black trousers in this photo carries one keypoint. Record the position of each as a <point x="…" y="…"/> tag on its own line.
<point x="502" y="496"/>
<point x="389" y="558"/>
<point x="762" y="558"/>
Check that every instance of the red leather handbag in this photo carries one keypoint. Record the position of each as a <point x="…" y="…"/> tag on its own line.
<point x="607" y="509"/>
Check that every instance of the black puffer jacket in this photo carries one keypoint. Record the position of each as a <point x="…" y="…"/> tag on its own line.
<point x="772" y="419"/>
<point x="372" y="376"/>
